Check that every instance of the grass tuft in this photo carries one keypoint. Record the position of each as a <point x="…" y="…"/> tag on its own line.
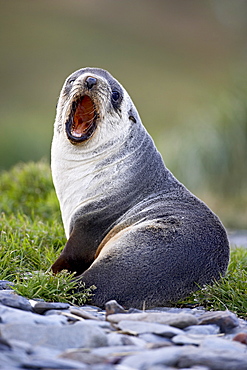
<point x="228" y="293"/>
<point x="28" y="245"/>
<point x="55" y="288"/>
<point x="32" y="236"/>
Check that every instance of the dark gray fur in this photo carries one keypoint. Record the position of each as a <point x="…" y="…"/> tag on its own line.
<point x="169" y="241"/>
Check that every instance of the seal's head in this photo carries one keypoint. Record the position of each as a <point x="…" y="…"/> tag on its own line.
<point x="92" y="100"/>
<point x="94" y="121"/>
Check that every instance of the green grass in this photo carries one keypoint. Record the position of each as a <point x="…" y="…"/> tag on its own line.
<point x="52" y="288"/>
<point x="228" y="293"/>
<point x="32" y="237"/>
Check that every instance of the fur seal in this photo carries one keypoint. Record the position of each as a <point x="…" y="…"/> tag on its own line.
<point x="134" y="231"/>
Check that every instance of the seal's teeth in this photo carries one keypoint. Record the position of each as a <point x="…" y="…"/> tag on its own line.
<point x="76" y="134"/>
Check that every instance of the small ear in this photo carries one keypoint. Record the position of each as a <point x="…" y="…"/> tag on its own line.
<point x="131" y="116"/>
<point x="132" y="119"/>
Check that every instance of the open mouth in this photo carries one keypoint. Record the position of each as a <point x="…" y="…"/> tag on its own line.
<point x="82" y="120"/>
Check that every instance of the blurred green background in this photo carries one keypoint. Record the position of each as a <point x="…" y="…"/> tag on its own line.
<point x="182" y="61"/>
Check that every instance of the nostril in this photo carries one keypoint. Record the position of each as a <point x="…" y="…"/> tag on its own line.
<point x="90" y="81"/>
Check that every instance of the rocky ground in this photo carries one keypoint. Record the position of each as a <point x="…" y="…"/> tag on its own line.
<point x="41" y="335"/>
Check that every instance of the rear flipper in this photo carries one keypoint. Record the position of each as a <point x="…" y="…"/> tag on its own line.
<point x="156" y="263"/>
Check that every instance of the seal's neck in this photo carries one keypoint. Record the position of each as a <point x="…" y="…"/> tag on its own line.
<point x="78" y="173"/>
<point x="100" y="186"/>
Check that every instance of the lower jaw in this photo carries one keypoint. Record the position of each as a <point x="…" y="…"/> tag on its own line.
<point x="79" y="139"/>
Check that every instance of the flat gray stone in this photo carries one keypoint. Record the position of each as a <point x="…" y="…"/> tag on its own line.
<point x="160" y="367"/>
<point x="116" y="351"/>
<point x="225" y="360"/>
<point x="52" y="363"/>
<point x="4" y="345"/>
<point x="179" y="320"/>
<point x="11" y="299"/>
<point x="20" y="346"/>
<point x="221" y="344"/>
<point x="11" y="359"/>
<point x="10" y="315"/>
<point x="51" y="320"/>
<point x="100" y="324"/>
<point x="194" y="339"/>
<point x="82" y="356"/>
<point x="140" y="327"/>
<point x="6" y="285"/>
<point x="97" y="362"/>
<point x="226" y="320"/>
<point x="202" y="329"/>
<point x="104" y="367"/>
<point x="54" y="312"/>
<point x="196" y="367"/>
<point x="83" y="314"/>
<point x="117" y="339"/>
<point x="95" y="311"/>
<point x="163" y="356"/>
<point x="44" y="352"/>
<point x="156" y="340"/>
<point x="41" y="307"/>
<point x="80" y="334"/>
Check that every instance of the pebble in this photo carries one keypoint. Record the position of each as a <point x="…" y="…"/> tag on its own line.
<point x="139" y="327"/>
<point x="83" y="313"/>
<point x="202" y="329"/>
<point x="155" y="341"/>
<point x="5" y="284"/>
<point x="214" y="360"/>
<point x="241" y="337"/>
<point x="112" y="307"/>
<point x="41" y="306"/>
<point x="221" y="344"/>
<point x="11" y="299"/>
<point x="42" y="335"/>
<point x="10" y="315"/>
<point x="179" y="320"/>
<point x="118" y="339"/>
<point x="195" y="339"/>
<point x="226" y="320"/>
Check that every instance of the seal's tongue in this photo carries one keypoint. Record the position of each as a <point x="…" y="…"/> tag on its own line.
<point x="83" y="117"/>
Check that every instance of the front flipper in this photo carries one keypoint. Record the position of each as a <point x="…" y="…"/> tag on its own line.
<point x="77" y="255"/>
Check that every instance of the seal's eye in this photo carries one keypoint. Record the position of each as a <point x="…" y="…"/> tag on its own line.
<point x="115" y="95"/>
